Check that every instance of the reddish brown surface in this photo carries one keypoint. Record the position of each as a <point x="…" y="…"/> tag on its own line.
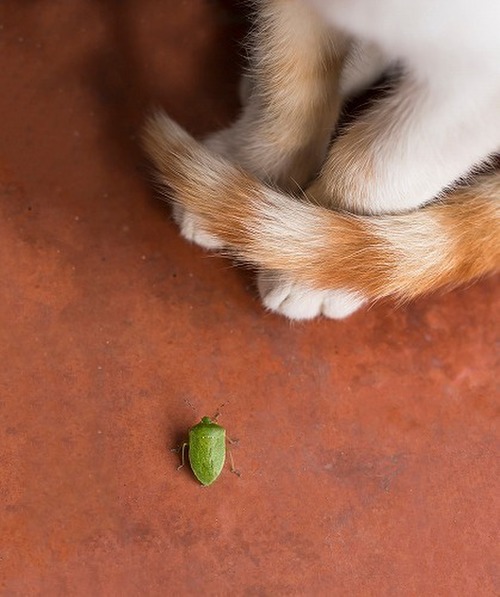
<point x="368" y="448"/>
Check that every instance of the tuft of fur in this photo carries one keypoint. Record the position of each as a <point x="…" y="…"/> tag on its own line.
<point x="447" y="243"/>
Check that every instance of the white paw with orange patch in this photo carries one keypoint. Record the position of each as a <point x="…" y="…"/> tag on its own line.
<point x="297" y="301"/>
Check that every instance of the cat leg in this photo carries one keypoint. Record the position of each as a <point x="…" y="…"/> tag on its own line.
<point x="283" y="131"/>
<point x="364" y="64"/>
<point x="411" y="146"/>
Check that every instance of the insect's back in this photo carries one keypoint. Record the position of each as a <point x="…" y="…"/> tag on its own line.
<point x="207" y="450"/>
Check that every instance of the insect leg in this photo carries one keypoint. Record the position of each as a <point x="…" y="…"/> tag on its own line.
<point x="181" y="449"/>
<point x="233" y="470"/>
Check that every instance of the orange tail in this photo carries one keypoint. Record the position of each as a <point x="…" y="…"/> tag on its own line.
<point x="446" y="243"/>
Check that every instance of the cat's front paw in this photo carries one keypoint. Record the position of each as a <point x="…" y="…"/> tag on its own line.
<point x="297" y="301"/>
<point x="191" y="228"/>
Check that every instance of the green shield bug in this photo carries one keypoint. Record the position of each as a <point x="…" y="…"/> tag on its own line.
<point x="207" y="451"/>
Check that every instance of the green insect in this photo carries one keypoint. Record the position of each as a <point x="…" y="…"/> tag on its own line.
<point x="207" y="451"/>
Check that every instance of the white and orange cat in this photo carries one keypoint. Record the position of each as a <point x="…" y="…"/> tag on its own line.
<point x="392" y="205"/>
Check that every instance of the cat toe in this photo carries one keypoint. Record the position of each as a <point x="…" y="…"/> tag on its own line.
<point x="192" y="229"/>
<point x="302" y="303"/>
<point x="288" y="298"/>
<point x="272" y="290"/>
<point x="338" y="304"/>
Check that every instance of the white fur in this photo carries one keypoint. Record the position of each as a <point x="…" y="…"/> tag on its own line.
<point x="365" y="64"/>
<point x="440" y="122"/>
<point x="443" y="120"/>
<point x="192" y="229"/>
<point x="297" y="301"/>
<point x="436" y="245"/>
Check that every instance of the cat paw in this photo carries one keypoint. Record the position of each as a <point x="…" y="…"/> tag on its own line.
<point x="297" y="301"/>
<point x="191" y="229"/>
<point x="191" y="226"/>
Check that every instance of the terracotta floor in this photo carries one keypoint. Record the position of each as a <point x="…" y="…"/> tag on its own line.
<point x="368" y="448"/>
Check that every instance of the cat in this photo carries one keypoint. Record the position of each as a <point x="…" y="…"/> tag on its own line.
<point x="394" y="205"/>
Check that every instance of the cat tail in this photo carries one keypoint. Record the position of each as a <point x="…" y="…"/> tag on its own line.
<point x="447" y="243"/>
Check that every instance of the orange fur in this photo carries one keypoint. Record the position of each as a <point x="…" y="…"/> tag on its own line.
<point x="294" y="98"/>
<point x="447" y="243"/>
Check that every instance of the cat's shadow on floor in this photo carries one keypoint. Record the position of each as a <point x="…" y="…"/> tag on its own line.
<point x="119" y="73"/>
<point x="122" y="76"/>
